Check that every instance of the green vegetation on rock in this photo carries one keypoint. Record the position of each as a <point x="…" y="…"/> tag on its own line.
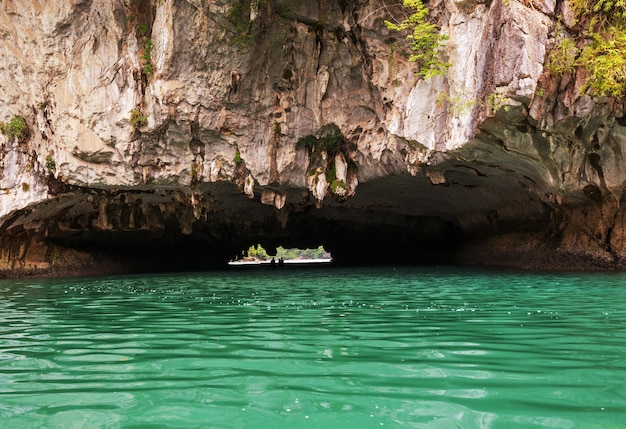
<point x="317" y="253"/>
<point x="562" y="58"/>
<point x="601" y="52"/>
<point x="237" y="158"/>
<point x="256" y="252"/>
<point x="139" y="17"/>
<point x="259" y="253"/>
<point x="330" y="140"/>
<point x="50" y="164"/>
<point x="603" y="13"/>
<point x="143" y="29"/>
<point x="604" y="59"/>
<point x="496" y="101"/>
<point x="459" y="104"/>
<point x="425" y="40"/>
<point x="16" y="128"/>
<point x="336" y="185"/>
<point x="138" y="119"/>
<point x="238" y="17"/>
<point x="147" y="68"/>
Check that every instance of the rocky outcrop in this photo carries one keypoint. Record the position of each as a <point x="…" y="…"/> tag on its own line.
<point x="181" y="132"/>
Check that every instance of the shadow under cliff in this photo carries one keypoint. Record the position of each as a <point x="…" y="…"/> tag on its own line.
<point x="394" y="220"/>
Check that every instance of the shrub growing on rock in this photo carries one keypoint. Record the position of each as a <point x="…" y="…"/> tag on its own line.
<point x="16" y="128"/>
<point x="138" y="119"/>
<point x="603" y="52"/>
<point x="330" y="140"/>
<point x="425" y="40"/>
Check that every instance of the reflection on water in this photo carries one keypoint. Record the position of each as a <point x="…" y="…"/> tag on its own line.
<point x="337" y="348"/>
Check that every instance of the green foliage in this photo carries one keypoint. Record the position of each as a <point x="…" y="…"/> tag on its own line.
<point x="50" y="164"/>
<point x="330" y="141"/>
<point x="147" y="68"/>
<point x="331" y="173"/>
<point x="239" y="18"/>
<point x="336" y="185"/>
<point x="317" y="253"/>
<point x="562" y="58"/>
<point x="138" y="119"/>
<point x="193" y="172"/>
<point x="605" y="61"/>
<point x="603" y="57"/>
<point x="309" y="142"/>
<point x="614" y="8"/>
<point x="15" y="129"/>
<point x="237" y="158"/>
<point x="495" y="101"/>
<point x="140" y="13"/>
<point x="425" y="40"/>
<point x="600" y="13"/>
<point x="459" y="104"/>
<point x="143" y="29"/>
<point x="257" y="252"/>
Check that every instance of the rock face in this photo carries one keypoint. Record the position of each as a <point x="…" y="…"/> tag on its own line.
<point x="178" y="132"/>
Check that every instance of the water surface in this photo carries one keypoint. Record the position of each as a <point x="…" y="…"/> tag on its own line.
<point x="315" y="348"/>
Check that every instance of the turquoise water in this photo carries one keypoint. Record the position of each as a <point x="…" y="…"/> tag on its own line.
<point x="317" y="348"/>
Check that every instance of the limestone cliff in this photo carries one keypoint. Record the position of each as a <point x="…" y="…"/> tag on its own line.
<point x="185" y="130"/>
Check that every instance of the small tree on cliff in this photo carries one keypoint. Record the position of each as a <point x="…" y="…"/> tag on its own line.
<point x="425" y="40"/>
<point x="600" y="50"/>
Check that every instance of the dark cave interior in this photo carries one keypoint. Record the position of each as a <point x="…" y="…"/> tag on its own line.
<point x="395" y="220"/>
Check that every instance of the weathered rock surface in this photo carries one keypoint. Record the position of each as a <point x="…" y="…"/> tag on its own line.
<point x="496" y="163"/>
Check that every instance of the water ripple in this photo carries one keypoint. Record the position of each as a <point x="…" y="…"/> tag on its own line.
<point x="410" y="347"/>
